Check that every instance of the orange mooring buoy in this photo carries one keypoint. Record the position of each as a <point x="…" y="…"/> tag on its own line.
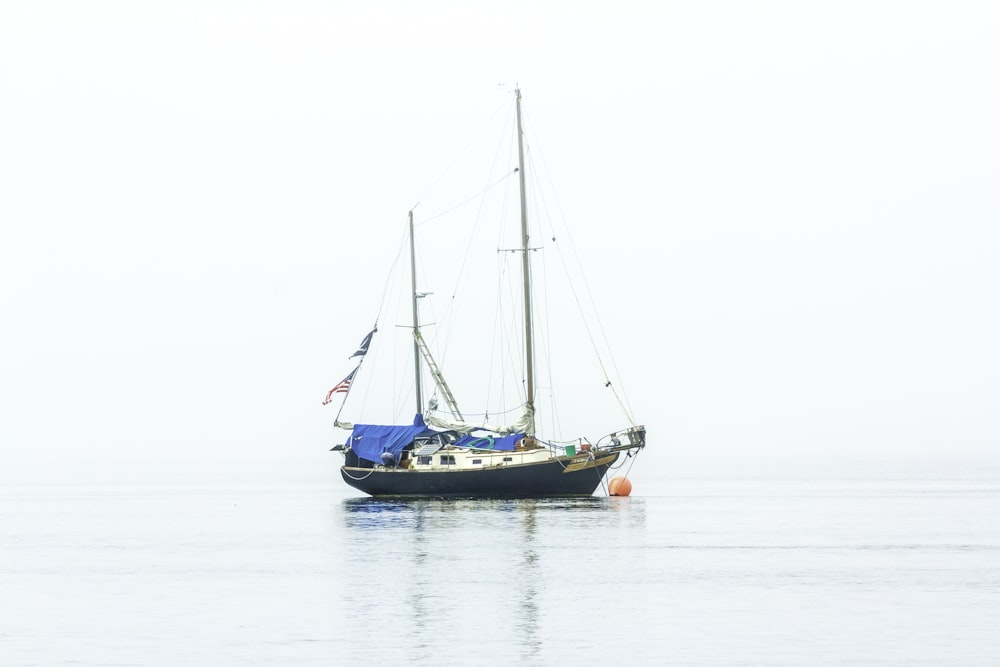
<point x="619" y="486"/>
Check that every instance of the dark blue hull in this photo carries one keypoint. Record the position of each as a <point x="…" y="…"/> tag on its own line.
<point x="531" y="480"/>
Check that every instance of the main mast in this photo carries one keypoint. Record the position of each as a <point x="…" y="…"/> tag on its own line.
<point x="416" y="320"/>
<point x="526" y="275"/>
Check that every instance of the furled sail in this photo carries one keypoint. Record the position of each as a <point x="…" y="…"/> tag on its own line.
<point x="524" y="424"/>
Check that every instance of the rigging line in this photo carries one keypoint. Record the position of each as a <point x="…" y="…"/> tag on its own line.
<point x="541" y="198"/>
<point x="600" y="475"/>
<point x="511" y="329"/>
<point x="626" y="407"/>
<point x="515" y="341"/>
<point x="511" y="338"/>
<point x="375" y="355"/>
<point x="505" y="103"/>
<point x="553" y="405"/>
<point x="466" y="201"/>
<point x="484" y="414"/>
<point x="617" y="467"/>
<point x="502" y="359"/>
<point x="631" y="462"/>
<point x="388" y="278"/>
<point x="494" y="347"/>
<point x="604" y="486"/>
<point x="545" y="321"/>
<point x="446" y="321"/>
<point x="593" y="343"/>
<point x="401" y="370"/>
<point x="465" y="257"/>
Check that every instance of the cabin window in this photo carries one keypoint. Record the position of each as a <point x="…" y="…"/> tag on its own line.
<point x="508" y="458"/>
<point x="447" y="459"/>
<point x="424" y="460"/>
<point x="476" y="461"/>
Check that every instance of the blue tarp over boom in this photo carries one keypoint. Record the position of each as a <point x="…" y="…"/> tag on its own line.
<point x="369" y="441"/>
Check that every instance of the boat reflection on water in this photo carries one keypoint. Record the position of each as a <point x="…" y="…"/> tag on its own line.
<point x="484" y="576"/>
<point x="370" y="512"/>
<point x="527" y="623"/>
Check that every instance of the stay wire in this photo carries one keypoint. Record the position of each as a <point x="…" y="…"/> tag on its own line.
<point x="446" y="317"/>
<point x="471" y="141"/>
<point x="626" y="409"/>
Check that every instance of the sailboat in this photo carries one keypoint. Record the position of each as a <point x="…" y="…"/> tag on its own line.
<point x="449" y="456"/>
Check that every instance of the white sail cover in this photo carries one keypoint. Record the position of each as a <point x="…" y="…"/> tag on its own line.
<point x="524" y="424"/>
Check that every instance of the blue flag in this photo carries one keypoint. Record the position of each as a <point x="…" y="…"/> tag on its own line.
<point x="363" y="349"/>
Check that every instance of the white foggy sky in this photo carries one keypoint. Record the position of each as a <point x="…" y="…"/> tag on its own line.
<point x="791" y="208"/>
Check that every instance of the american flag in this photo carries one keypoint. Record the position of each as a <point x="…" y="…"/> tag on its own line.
<point x="341" y="387"/>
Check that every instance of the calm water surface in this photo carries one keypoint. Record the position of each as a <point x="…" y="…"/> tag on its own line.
<point x="688" y="571"/>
